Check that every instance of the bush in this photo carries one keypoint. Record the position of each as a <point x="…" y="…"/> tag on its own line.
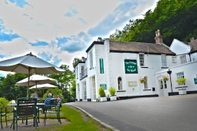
<point x="3" y="101"/>
<point x="102" y="92"/>
<point x="112" y="91"/>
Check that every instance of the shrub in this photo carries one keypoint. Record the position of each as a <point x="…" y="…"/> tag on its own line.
<point x="112" y="91"/>
<point x="102" y="92"/>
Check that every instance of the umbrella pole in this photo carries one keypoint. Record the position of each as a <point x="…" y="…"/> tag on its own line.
<point x="28" y="81"/>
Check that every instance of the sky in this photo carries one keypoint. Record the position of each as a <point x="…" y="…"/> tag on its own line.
<point x="60" y="30"/>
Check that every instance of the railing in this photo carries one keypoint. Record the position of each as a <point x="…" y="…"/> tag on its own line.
<point x="83" y="74"/>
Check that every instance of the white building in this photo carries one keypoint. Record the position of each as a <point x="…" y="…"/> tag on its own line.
<point x="123" y="64"/>
<point x="185" y="66"/>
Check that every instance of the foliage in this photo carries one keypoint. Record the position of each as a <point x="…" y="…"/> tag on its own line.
<point x="8" y="88"/>
<point x="55" y="92"/>
<point x="142" y="80"/>
<point x="165" y="78"/>
<point x="102" y="92"/>
<point x="3" y="101"/>
<point x="112" y="91"/>
<point x="181" y="80"/>
<point x="76" y="61"/>
<point x="175" y="19"/>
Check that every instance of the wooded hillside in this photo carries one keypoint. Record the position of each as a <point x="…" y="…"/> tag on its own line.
<point x="174" y="18"/>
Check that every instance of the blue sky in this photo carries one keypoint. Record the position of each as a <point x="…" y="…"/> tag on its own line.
<point x="60" y="30"/>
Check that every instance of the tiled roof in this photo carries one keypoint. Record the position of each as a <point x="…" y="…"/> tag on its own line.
<point x="140" y="47"/>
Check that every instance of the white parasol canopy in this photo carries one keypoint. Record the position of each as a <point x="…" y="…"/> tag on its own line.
<point x="35" y="80"/>
<point x="43" y="86"/>
<point x="29" y="64"/>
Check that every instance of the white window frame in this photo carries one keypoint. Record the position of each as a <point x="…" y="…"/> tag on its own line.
<point x="183" y="59"/>
<point x="141" y="59"/>
<point x="146" y="83"/>
<point x="163" y="60"/>
<point x="180" y="75"/>
<point x="174" y="60"/>
<point x="91" y="60"/>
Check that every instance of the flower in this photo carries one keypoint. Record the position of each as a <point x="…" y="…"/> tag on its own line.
<point x="165" y="78"/>
<point x="142" y="80"/>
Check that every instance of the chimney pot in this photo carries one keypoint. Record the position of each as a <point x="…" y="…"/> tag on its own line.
<point x="192" y="39"/>
<point x="158" y="37"/>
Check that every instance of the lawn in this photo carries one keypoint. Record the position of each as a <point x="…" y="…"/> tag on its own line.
<point x="78" y="121"/>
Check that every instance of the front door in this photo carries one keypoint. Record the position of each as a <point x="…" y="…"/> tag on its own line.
<point x="163" y="88"/>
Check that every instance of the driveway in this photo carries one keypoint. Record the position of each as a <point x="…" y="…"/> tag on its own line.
<point x="173" y="113"/>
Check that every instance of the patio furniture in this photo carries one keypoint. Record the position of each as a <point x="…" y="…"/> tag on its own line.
<point x="3" y="113"/>
<point x="26" y="107"/>
<point x="53" y="108"/>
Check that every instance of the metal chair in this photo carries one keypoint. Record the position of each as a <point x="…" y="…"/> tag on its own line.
<point x="3" y="113"/>
<point x="26" y="107"/>
<point x="53" y="108"/>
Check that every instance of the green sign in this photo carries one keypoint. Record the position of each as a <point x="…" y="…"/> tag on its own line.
<point x="131" y="66"/>
<point x="195" y="80"/>
<point x="101" y="65"/>
<point x="104" y="86"/>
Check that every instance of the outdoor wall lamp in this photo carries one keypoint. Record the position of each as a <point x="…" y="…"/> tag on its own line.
<point x="169" y="73"/>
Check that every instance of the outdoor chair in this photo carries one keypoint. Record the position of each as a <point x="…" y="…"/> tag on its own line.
<point x="3" y="113"/>
<point x="52" y="108"/>
<point x="26" y="108"/>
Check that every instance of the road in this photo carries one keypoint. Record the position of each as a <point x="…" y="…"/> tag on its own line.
<point x="173" y="113"/>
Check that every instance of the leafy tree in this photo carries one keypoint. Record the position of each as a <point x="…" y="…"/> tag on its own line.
<point x="8" y="88"/>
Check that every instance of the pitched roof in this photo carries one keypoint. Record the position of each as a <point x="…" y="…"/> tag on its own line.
<point x="193" y="45"/>
<point x="140" y="47"/>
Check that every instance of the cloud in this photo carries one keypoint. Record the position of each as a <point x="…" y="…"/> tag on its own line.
<point x="74" y="43"/>
<point x="120" y="16"/>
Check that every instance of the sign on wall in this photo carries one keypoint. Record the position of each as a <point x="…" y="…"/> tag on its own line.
<point x="195" y="80"/>
<point x="132" y="83"/>
<point x="130" y="66"/>
<point x="101" y="62"/>
<point x="104" y="86"/>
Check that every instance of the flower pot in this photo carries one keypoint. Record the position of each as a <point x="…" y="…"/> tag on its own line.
<point x="113" y="98"/>
<point x="102" y="99"/>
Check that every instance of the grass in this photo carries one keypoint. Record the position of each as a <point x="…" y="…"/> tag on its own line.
<point x="78" y="121"/>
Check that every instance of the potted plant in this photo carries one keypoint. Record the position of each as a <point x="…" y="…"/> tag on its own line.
<point x="165" y="78"/>
<point x="142" y="80"/>
<point x="112" y="92"/>
<point x="182" y="87"/>
<point x="181" y="81"/>
<point x="102" y="94"/>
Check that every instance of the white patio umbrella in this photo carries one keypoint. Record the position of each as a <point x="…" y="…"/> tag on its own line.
<point x="29" y="64"/>
<point x="35" y="80"/>
<point x="43" y="86"/>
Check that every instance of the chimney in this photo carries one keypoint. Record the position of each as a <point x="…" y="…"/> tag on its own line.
<point x="158" y="37"/>
<point x="192" y="39"/>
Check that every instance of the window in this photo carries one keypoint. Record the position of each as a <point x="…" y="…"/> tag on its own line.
<point x="76" y="72"/>
<point x="141" y="59"/>
<point x="180" y="75"/>
<point x="91" y="60"/>
<point x="173" y="59"/>
<point x="183" y="59"/>
<point x="163" y="61"/>
<point x="161" y="84"/>
<point x="145" y="83"/>
<point x="165" y="85"/>
<point x="84" y="91"/>
<point x="94" y="87"/>
<point x="119" y="83"/>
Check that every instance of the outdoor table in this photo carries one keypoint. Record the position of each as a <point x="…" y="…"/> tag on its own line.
<point x="39" y="105"/>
